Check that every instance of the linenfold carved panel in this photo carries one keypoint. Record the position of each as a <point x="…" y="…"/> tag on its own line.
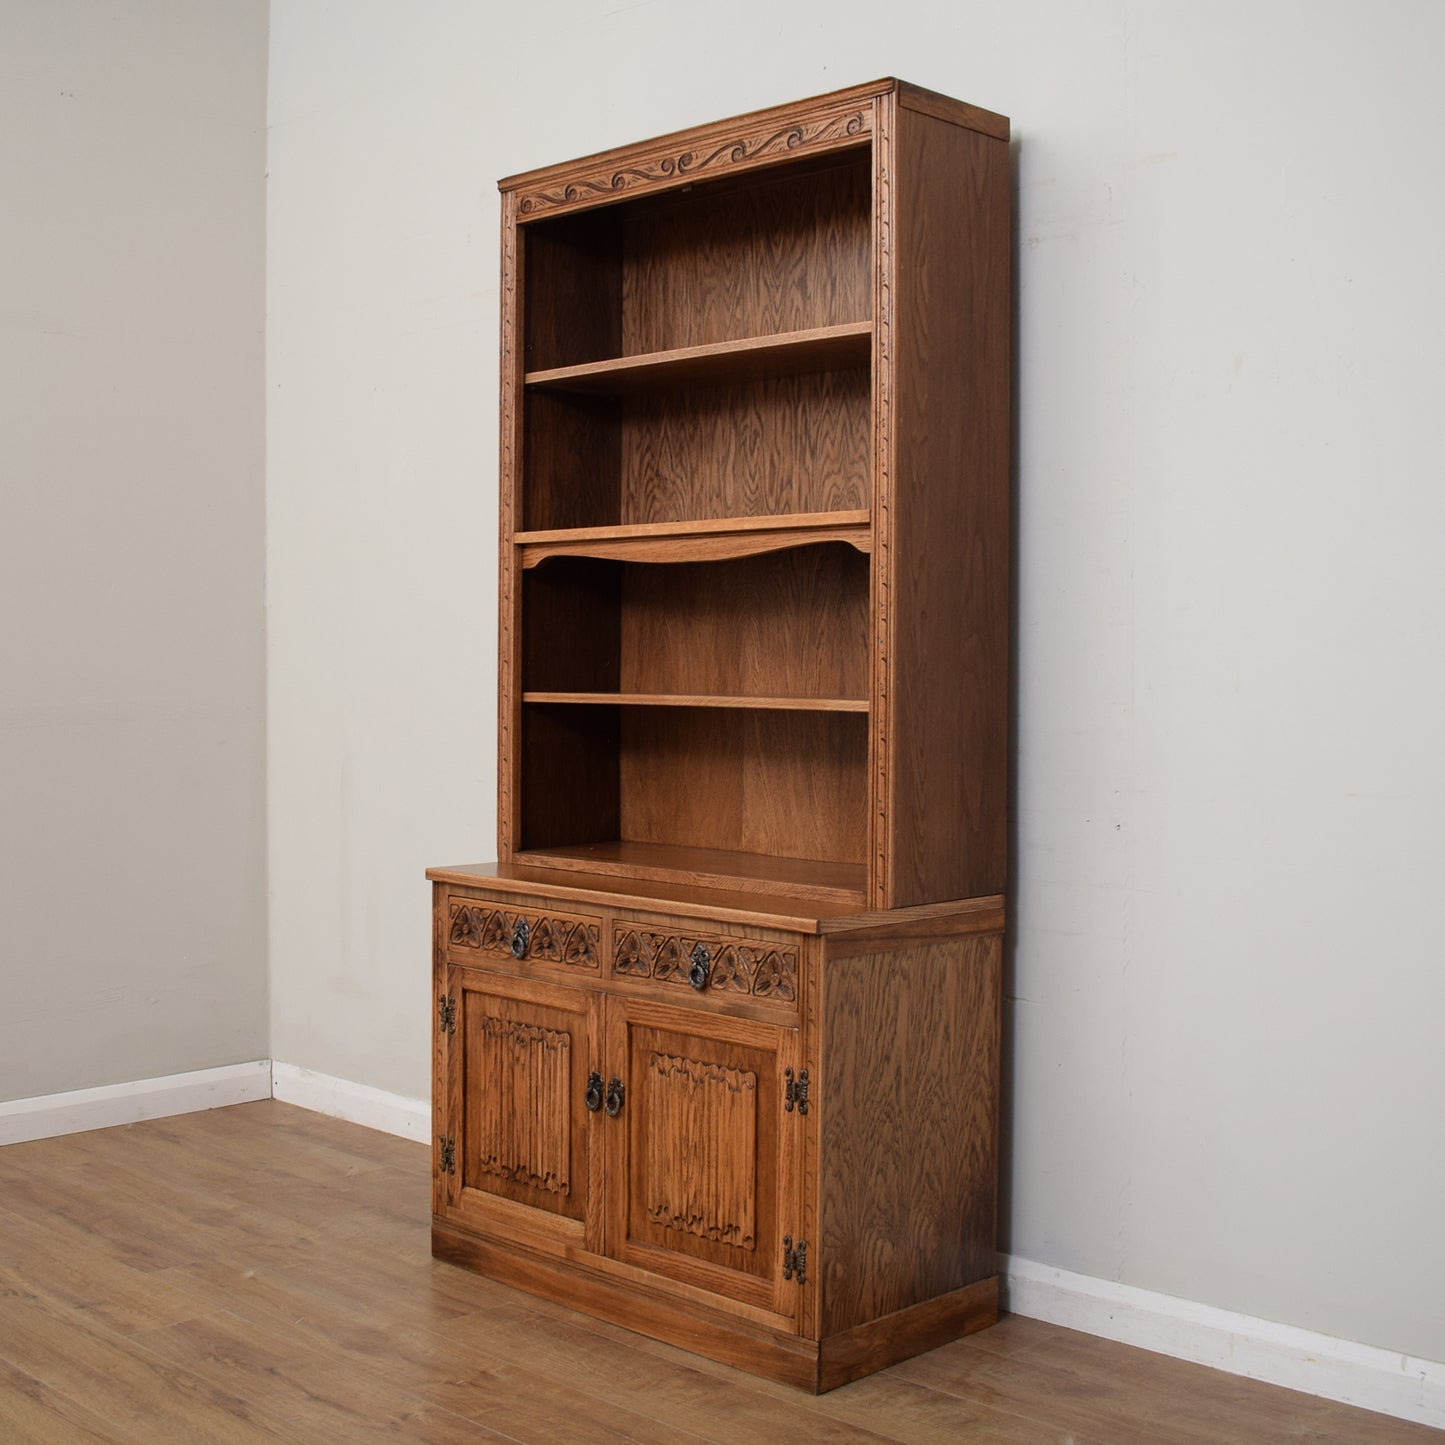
<point x="518" y="1075"/>
<point x="844" y="125"/>
<point x="760" y="970"/>
<point x="573" y="942"/>
<point x="702" y="1125"/>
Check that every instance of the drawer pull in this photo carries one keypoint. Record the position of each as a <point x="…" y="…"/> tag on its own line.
<point x="593" y="1097"/>
<point x="615" y="1096"/>
<point x="701" y="966"/>
<point x="520" y="934"/>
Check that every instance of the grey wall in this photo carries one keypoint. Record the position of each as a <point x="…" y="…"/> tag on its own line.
<point x="132" y="649"/>
<point x="1225" y="1061"/>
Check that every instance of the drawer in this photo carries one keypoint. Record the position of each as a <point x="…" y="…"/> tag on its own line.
<point x="703" y="961"/>
<point x="476" y="929"/>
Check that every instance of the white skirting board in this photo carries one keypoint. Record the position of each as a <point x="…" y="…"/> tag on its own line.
<point x="48" y="1115"/>
<point x="357" y="1103"/>
<point x="1373" y="1379"/>
<point x="73" y="1112"/>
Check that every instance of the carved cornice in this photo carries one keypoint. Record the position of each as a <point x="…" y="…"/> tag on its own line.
<point x="719" y="154"/>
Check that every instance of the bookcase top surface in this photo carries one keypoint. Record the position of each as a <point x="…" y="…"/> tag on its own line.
<point x="750" y="138"/>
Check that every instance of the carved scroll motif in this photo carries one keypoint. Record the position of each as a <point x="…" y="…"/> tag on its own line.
<point x="664" y="168"/>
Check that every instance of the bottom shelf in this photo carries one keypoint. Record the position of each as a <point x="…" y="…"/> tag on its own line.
<point x="707" y="868"/>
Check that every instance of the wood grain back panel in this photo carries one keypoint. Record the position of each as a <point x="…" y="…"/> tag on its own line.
<point x="761" y="448"/>
<point x="909" y="1103"/>
<point x="789" y="784"/>
<point x="753" y="449"/>
<point x="789" y="251"/>
<point x="790" y="624"/>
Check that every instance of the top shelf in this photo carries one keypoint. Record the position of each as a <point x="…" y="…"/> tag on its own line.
<point x="824" y="348"/>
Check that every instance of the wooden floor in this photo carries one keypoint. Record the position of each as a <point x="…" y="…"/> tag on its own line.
<point x="263" y="1273"/>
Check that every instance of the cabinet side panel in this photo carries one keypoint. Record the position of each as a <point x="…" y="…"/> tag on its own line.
<point x="949" y="512"/>
<point x="569" y="779"/>
<point x="574" y="284"/>
<point x="909" y="1103"/>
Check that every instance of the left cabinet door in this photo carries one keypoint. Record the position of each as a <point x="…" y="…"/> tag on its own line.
<point x="515" y="1154"/>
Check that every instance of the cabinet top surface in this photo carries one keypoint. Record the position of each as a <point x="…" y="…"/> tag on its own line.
<point x="797" y="914"/>
<point x="734" y="128"/>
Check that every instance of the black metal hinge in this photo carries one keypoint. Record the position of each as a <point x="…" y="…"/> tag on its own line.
<point x="447" y="1014"/>
<point x="449" y="1156"/>
<point x="795" y="1259"/>
<point x="795" y="1091"/>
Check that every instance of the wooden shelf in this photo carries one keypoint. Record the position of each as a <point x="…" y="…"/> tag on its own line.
<point x="701" y="541"/>
<point x="824" y="348"/>
<point x="662" y="699"/>
<point x="708" y="868"/>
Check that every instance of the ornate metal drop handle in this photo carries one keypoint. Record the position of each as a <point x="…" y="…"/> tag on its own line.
<point x="593" y="1097"/>
<point x="697" y="975"/>
<point x="520" y="934"/>
<point x="616" y="1094"/>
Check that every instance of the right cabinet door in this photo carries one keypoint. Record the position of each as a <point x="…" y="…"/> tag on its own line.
<point x="704" y="1180"/>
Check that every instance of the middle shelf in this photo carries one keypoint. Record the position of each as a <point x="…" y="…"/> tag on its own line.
<point x="673" y="699"/>
<point x="821" y="348"/>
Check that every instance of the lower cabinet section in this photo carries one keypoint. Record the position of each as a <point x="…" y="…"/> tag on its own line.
<point x="665" y="1156"/>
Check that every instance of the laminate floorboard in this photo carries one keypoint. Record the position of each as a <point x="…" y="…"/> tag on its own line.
<point x="261" y="1273"/>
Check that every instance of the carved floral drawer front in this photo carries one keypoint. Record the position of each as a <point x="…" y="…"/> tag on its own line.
<point x="708" y="964"/>
<point x="479" y="928"/>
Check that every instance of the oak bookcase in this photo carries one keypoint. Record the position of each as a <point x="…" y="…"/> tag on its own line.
<point x="717" y="1037"/>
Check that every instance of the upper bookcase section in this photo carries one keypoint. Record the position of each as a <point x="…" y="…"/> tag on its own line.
<point x="754" y="387"/>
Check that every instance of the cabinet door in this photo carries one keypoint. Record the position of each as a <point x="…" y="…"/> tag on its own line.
<point x="518" y="1121"/>
<point x="704" y="1179"/>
